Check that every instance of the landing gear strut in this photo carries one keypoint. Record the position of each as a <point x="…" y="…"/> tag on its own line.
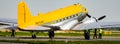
<point x="51" y="34"/>
<point x="34" y="34"/>
<point x="13" y="33"/>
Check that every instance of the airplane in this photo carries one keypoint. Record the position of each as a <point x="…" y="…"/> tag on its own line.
<point x="66" y="18"/>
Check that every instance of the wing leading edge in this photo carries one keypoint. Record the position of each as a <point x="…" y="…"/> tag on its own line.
<point x="97" y="25"/>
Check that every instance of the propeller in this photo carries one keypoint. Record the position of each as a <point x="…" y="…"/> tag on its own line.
<point x="4" y="24"/>
<point x="88" y="15"/>
<point x="101" y="17"/>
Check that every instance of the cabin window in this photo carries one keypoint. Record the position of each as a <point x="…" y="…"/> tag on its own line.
<point x="63" y="18"/>
<point x="67" y="17"/>
<point x="73" y="15"/>
<point x="60" y="20"/>
<point x="76" y="14"/>
<point x="70" y="16"/>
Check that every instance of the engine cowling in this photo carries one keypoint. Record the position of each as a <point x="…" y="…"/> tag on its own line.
<point x="55" y="28"/>
<point x="80" y="18"/>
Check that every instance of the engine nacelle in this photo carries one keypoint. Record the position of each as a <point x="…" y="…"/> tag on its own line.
<point x="55" y="28"/>
<point x="80" y="18"/>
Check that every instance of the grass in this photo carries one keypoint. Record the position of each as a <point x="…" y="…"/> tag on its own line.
<point x="40" y="34"/>
<point x="57" y="42"/>
<point x="62" y="42"/>
<point x="46" y="34"/>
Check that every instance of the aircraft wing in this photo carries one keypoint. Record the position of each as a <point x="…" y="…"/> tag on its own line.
<point x="35" y="28"/>
<point x="97" y="25"/>
<point x="13" y="21"/>
<point x="8" y="23"/>
<point x="12" y="24"/>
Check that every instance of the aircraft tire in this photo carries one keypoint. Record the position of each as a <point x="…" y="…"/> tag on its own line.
<point x="13" y="33"/>
<point x="51" y="34"/>
<point x="34" y="36"/>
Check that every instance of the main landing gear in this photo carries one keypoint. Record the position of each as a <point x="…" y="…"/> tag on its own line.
<point x="13" y="33"/>
<point x="34" y="34"/>
<point x="51" y="34"/>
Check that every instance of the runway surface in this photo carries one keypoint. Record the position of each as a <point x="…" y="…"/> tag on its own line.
<point x="60" y="38"/>
<point x="11" y="43"/>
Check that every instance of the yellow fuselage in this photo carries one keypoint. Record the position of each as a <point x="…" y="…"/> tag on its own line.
<point x="25" y="18"/>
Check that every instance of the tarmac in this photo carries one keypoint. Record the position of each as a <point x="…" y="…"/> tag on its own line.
<point x="11" y="43"/>
<point x="57" y="38"/>
<point x="60" y="38"/>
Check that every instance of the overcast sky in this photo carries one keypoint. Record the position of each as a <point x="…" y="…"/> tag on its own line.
<point x="96" y="8"/>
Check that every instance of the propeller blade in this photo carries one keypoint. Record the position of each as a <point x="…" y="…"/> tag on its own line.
<point x="88" y="15"/>
<point x="4" y="24"/>
<point x="101" y="17"/>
